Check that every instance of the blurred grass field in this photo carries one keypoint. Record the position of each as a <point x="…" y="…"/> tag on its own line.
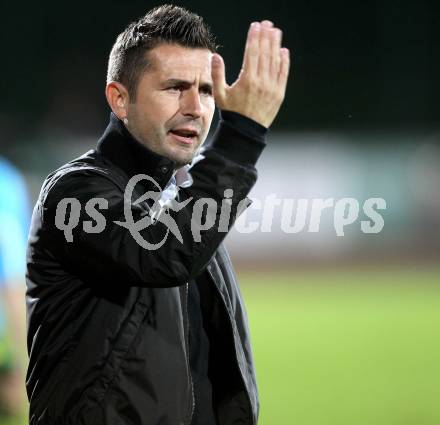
<point x="357" y="346"/>
<point x="346" y="347"/>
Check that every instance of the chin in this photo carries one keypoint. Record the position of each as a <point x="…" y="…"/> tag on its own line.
<point x="181" y="162"/>
<point x="181" y="158"/>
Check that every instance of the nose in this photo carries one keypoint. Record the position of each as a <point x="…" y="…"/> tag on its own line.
<point x="191" y="104"/>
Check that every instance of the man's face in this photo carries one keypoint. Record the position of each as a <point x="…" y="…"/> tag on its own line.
<point x="174" y="104"/>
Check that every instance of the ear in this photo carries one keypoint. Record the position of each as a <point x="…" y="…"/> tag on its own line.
<point x="118" y="99"/>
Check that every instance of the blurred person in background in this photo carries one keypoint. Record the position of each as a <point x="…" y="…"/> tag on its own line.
<point x="14" y="220"/>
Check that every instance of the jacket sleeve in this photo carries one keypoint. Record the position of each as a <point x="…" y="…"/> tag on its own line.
<point x="170" y="258"/>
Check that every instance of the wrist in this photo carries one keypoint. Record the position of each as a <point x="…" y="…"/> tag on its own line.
<point x="244" y="124"/>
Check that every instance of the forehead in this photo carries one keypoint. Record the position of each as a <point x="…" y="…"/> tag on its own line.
<point x="174" y="61"/>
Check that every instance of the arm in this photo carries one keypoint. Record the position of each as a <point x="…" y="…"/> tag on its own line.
<point x="229" y="164"/>
<point x="114" y="252"/>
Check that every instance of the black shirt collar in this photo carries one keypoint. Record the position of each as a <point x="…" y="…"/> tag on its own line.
<point x="118" y="146"/>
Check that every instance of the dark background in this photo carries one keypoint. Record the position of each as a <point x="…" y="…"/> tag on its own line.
<point x="370" y="65"/>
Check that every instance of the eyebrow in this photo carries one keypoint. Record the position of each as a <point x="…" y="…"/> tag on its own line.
<point x="186" y="83"/>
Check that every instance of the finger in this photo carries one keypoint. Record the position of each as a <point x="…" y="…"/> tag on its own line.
<point x="264" y="50"/>
<point x="284" y="68"/>
<point x="250" y="59"/>
<point x="218" y="76"/>
<point x="267" y="24"/>
<point x="275" y="46"/>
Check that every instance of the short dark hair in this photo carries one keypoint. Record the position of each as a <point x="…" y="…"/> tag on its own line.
<point x="163" y="24"/>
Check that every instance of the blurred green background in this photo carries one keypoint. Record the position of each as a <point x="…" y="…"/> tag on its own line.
<point x="357" y="346"/>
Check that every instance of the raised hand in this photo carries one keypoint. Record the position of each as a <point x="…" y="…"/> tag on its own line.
<point x="259" y="90"/>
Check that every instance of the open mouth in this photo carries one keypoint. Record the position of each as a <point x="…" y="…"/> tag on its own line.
<point x="187" y="136"/>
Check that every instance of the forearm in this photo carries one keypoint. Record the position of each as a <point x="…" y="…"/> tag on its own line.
<point x="147" y="255"/>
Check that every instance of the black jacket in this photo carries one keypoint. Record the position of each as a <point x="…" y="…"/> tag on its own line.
<point x="107" y="319"/>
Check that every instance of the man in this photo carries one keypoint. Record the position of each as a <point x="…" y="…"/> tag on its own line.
<point x="135" y="315"/>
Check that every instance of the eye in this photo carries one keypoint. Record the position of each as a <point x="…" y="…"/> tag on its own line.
<point x="176" y="88"/>
<point x="206" y="90"/>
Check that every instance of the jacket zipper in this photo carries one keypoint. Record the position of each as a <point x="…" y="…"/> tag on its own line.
<point x="187" y="356"/>
<point x="235" y="348"/>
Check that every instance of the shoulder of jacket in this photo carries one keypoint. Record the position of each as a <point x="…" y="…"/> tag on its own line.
<point x="83" y="167"/>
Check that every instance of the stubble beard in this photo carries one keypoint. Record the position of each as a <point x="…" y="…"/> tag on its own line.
<point x="157" y="142"/>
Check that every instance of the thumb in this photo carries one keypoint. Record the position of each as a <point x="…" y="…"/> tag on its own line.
<point x="218" y="76"/>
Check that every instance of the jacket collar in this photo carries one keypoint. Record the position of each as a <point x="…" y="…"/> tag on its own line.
<point x="119" y="147"/>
